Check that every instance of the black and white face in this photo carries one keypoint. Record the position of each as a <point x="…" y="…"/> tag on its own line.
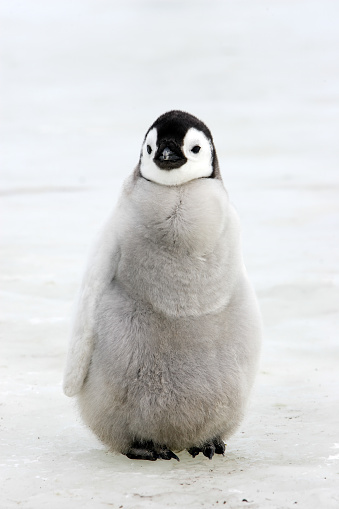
<point x="174" y="152"/>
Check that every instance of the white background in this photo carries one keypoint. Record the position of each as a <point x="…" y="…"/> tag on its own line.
<point x="81" y="82"/>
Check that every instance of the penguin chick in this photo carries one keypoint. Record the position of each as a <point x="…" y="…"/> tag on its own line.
<point x="166" y="337"/>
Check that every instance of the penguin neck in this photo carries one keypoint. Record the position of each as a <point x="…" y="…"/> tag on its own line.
<point x="189" y="217"/>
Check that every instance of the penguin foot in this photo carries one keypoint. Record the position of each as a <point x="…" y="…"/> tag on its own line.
<point x="147" y="450"/>
<point x="211" y="447"/>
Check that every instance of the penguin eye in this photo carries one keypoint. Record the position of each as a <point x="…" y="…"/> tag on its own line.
<point x="149" y="150"/>
<point x="196" y="149"/>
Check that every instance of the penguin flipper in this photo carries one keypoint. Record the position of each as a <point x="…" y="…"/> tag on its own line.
<point x="101" y="271"/>
<point x="79" y="358"/>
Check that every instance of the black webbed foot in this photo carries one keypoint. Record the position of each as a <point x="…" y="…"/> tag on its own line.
<point x="194" y="451"/>
<point x="147" y="450"/>
<point x="166" y="454"/>
<point x="209" y="448"/>
<point x="142" y="451"/>
<point x="220" y="446"/>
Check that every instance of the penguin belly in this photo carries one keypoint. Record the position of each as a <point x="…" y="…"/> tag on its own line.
<point x="172" y="381"/>
<point x="177" y="331"/>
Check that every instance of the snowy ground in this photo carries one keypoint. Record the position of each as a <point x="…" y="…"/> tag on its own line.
<point x="81" y="82"/>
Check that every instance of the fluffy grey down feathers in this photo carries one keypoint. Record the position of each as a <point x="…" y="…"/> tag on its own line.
<point x="166" y="336"/>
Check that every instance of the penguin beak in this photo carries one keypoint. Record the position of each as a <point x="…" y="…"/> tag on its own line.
<point x="169" y="156"/>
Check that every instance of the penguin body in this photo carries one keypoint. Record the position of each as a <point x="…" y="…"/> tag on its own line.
<point x="167" y="332"/>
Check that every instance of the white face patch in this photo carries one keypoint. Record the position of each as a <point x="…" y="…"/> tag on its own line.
<point x="198" y="164"/>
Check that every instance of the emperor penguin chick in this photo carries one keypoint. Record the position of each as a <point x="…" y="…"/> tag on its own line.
<point x="166" y="337"/>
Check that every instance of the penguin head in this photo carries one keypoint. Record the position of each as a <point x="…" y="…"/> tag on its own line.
<point x="178" y="148"/>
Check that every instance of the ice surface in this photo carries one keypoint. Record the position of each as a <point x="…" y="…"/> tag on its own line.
<point x="81" y="83"/>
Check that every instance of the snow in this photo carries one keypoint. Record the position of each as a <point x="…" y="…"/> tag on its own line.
<point x="81" y="83"/>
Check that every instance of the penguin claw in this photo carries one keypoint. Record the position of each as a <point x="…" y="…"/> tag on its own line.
<point x="194" y="451"/>
<point x="211" y="447"/>
<point x="166" y="454"/>
<point x="149" y="451"/>
<point x="208" y="450"/>
<point x="220" y="446"/>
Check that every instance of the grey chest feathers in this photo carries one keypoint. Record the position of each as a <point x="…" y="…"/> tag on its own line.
<point x="166" y="336"/>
